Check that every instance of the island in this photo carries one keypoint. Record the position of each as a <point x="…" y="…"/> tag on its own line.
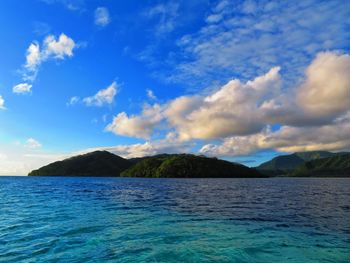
<point x="107" y="164"/>
<point x="103" y="163"/>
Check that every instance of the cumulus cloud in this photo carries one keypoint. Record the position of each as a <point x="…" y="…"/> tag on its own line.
<point x="102" y="17"/>
<point x="58" y="49"/>
<point x="2" y="103"/>
<point x="103" y="97"/>
<point x="51" y="48"/>
<point x="140" y="126"/>
<point x="22" y="88"/>
<point x="326" y="90"/>
<point x="240" y="113"/>
<point x="33" y="58"/>
<point x="233" y="109"/>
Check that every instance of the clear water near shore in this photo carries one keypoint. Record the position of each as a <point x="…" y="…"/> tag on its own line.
<point x="79" y="219"/>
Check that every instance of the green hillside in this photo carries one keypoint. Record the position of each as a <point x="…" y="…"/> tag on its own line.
<point x="286" y="163"/>
<point x="98" y="163"/>
<point x="186" y="166"/>
<point x="338" y="165"/>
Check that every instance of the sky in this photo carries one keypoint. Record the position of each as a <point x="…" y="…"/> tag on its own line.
<point x="241" y="80"/>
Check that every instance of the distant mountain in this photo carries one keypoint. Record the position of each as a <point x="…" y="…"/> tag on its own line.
<point x="337" y="165"/>
<point x="286" y="163"/>
<point x="188" y="166"/>
<point x="98" y="163"/>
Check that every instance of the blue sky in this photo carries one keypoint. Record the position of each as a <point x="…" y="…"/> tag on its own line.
<point x="242" y="80"/>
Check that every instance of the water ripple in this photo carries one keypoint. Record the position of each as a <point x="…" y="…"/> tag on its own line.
<point x="174" y="220"/>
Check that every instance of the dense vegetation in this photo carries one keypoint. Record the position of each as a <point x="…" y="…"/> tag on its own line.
<point x="284" y="164"/>
<point x="186" y="166"/>
<point x="98" y="163"/>
<point x="338" y="165"/>
<point x="103" y="163"/>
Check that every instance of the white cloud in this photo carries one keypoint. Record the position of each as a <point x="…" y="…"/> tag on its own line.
<point x="331" y="137"/>
<point x="233" y="109"/>
<point x="51" y="49"/>
<point x="246" y="39"/>
<point x="102" y="97"/>
<point x="102" y="17"/>
<point x="22" y="88"/>
<point x="73" y="100"/>
<point x="137" y="126"/>
<point x="150" y="94"/>
<point x="32" y="144"/>
<point x="326" y="90"/>
<point x="33" y="58"/>
<point x="59" y="48"/>
<point x="240" y="113"/>
<point x="2" y="103"/>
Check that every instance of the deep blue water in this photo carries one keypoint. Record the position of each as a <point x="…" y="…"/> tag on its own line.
<point x="65" y="219"/>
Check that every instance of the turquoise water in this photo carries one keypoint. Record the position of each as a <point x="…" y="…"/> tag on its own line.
<point x="174" y="220"/>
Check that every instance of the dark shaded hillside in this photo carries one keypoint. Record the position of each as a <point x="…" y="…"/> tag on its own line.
<point x="338" y="165"/>
<point x="188" y="166"/>
<point x="98" y="163"/>
<point x="286" y="163"/>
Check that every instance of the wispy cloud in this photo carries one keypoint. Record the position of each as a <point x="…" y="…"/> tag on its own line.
<point x="73" y="100"/>
<point x="103" y="97"/>
<point x="164" y="15"/>
<point x="242" y="39"/>
<point x="22" y="88"/>
<point x="72" y="5"/>
<point x="19" y="158"/>
<point x="150" y="94"/>
<point x="102" y="17"/>
<point x="32" y="144"/>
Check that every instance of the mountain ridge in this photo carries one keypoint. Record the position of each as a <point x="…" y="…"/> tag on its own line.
<point x="103" y="163"/>
<point x="284" y="164"/>
<point x="338" y="165"/>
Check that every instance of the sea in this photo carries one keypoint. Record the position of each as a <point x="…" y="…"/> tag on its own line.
<point x="97" y="219"/>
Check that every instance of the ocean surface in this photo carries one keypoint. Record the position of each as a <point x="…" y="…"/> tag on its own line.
<point x="51" y="219"/>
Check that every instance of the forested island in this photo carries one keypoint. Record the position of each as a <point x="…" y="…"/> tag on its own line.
<point x="104" y="163"/>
